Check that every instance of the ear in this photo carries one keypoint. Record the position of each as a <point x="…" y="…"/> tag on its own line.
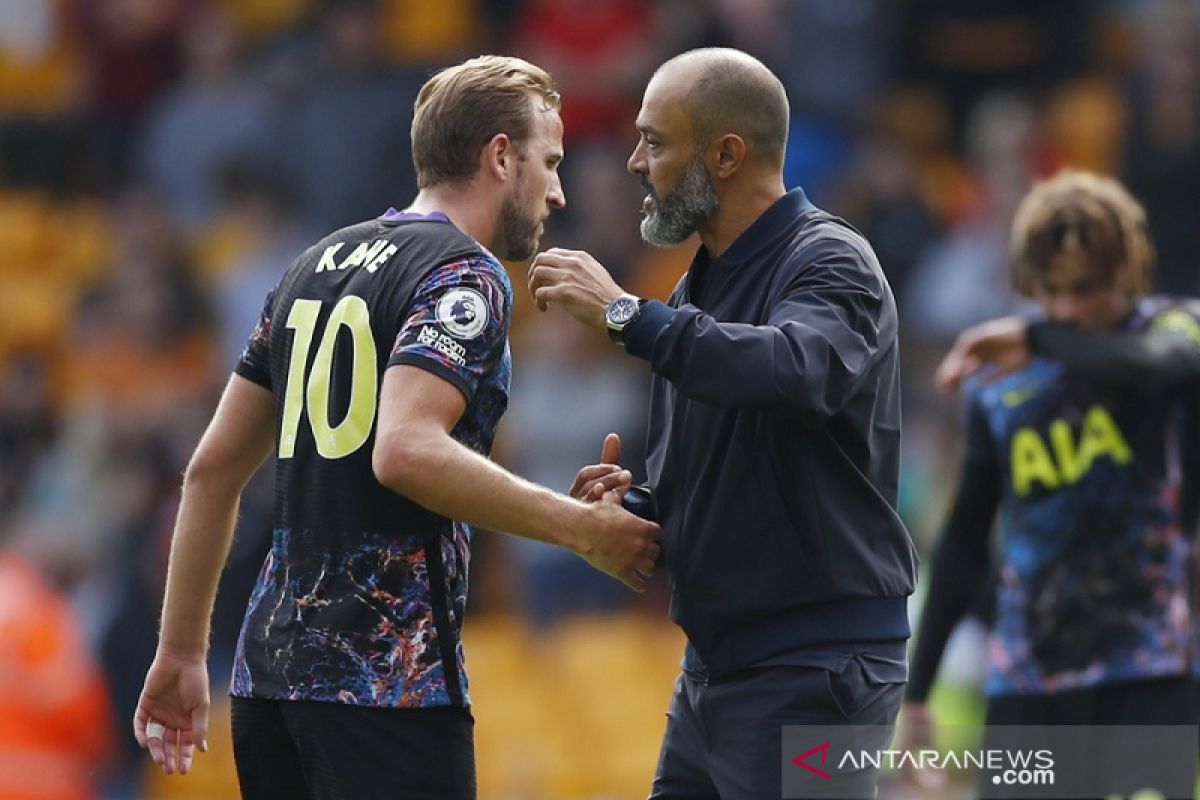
<point x="497" y="157"/>
<point x="726" y="155"/>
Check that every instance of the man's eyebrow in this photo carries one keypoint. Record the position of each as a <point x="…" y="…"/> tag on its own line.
<point x="648" y="129"/>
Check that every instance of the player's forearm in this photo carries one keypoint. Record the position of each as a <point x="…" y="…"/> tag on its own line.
<point x="238" y="440"/>
<point x="1161" y="356"/>
<point x="959" y="570"/>
<point x="957" y="573"/>
<point x="203" y="533"/>
<point x="444" y="476"/>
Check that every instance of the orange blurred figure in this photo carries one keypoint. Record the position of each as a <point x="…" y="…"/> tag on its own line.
<point x="55" y="719"/>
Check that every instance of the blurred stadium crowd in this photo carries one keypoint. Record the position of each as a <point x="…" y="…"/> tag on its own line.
<point x="162" y="161"/>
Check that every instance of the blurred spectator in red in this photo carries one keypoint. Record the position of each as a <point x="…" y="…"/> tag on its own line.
<point x="56" y="725"/>
<point x="131" y="53"/>
<point x="600" y="52"/>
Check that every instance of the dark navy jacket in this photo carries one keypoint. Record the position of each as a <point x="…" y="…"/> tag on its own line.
<point x="774" y="444"/>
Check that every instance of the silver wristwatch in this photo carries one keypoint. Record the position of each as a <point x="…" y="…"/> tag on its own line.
<point x="621" y="313"/>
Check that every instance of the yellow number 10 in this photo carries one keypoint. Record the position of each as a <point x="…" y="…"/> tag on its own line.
<point x="350" y="434"/>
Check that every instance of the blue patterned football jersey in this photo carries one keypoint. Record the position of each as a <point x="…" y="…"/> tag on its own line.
<point x="1094" y="576"/>
<point x="362" y="596"/>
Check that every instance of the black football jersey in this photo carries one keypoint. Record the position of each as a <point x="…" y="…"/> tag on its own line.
<point x="362" y="595"/>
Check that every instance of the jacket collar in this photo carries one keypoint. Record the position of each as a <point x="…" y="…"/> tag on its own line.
<point x="773" y="223"/>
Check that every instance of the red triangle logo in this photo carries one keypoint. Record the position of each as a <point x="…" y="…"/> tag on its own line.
<point x="823" y="749"/>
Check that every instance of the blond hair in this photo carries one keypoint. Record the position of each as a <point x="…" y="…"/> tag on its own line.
<point x="1083" y="220"/>
<point x="461" y="108"/>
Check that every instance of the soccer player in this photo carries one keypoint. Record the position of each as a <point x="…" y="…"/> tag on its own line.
<point x="773" y="455"/>
<point x="1081" y="429"/>
<point x="377" y="374"/>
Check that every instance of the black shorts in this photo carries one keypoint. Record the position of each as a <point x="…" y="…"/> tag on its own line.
<point x="322" y="751"/>
<point x="1154" y="701"/>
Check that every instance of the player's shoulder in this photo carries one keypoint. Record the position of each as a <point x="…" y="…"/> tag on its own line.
<point x="1169" y="312"/>
<point x="478" y="269"/>
<point x="1154" y="308"/>
<point x="819" y="237"/>
<point x="487" y="264"/>
<point x="1012" y="390"/>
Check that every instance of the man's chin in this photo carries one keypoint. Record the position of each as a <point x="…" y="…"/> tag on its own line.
<point x="654" y="236"/>
<point x="520" y="250"/>
<point x="522" y="253"/>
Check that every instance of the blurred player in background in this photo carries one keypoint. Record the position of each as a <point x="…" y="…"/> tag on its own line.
<point x="1081" y="429"/>
<point x="377" y="374"/>
<point x="773" y="452"/>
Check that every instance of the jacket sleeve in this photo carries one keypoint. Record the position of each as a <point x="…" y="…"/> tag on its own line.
<point x="961" y="555"/>
<point x="1167" y="352"/>
<point x="822" y="337"/>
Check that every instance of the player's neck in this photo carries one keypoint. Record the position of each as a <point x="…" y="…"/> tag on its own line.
<point x="466" y="208"/>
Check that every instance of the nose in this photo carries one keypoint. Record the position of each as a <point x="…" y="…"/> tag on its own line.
<point x="1065" y="307"/>
<point x="636" y="165"/>
<point x="556" y="197"/>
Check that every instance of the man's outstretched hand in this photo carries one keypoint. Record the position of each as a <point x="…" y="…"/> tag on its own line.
<point x="594" y="480"/>
<point x="999" y="345"/>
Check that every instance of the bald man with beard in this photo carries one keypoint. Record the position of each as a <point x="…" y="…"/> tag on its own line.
<point x="774" y="444"/>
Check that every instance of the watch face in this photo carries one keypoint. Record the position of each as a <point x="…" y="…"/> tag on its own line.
<point x="621" y="310"/>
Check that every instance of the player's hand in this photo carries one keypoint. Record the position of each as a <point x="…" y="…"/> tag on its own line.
<point x="618" y="543"/>
<point x="915" y="732"/>
<point x="594" y="480"/>
<point x="1000" y="344"/>
<point x="175" y="696"/>
<point x="575" y="281"/>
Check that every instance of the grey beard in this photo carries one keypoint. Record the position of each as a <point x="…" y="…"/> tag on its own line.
<point x="684" y="209"/>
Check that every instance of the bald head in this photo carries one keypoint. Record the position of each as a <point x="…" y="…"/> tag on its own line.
<point x="728" y="91"/>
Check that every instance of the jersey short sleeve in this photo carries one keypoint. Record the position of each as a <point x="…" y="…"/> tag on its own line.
<point x="255" y="361"/>
<point x="457" y="324"/>
<point x="1179" y="320"/>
